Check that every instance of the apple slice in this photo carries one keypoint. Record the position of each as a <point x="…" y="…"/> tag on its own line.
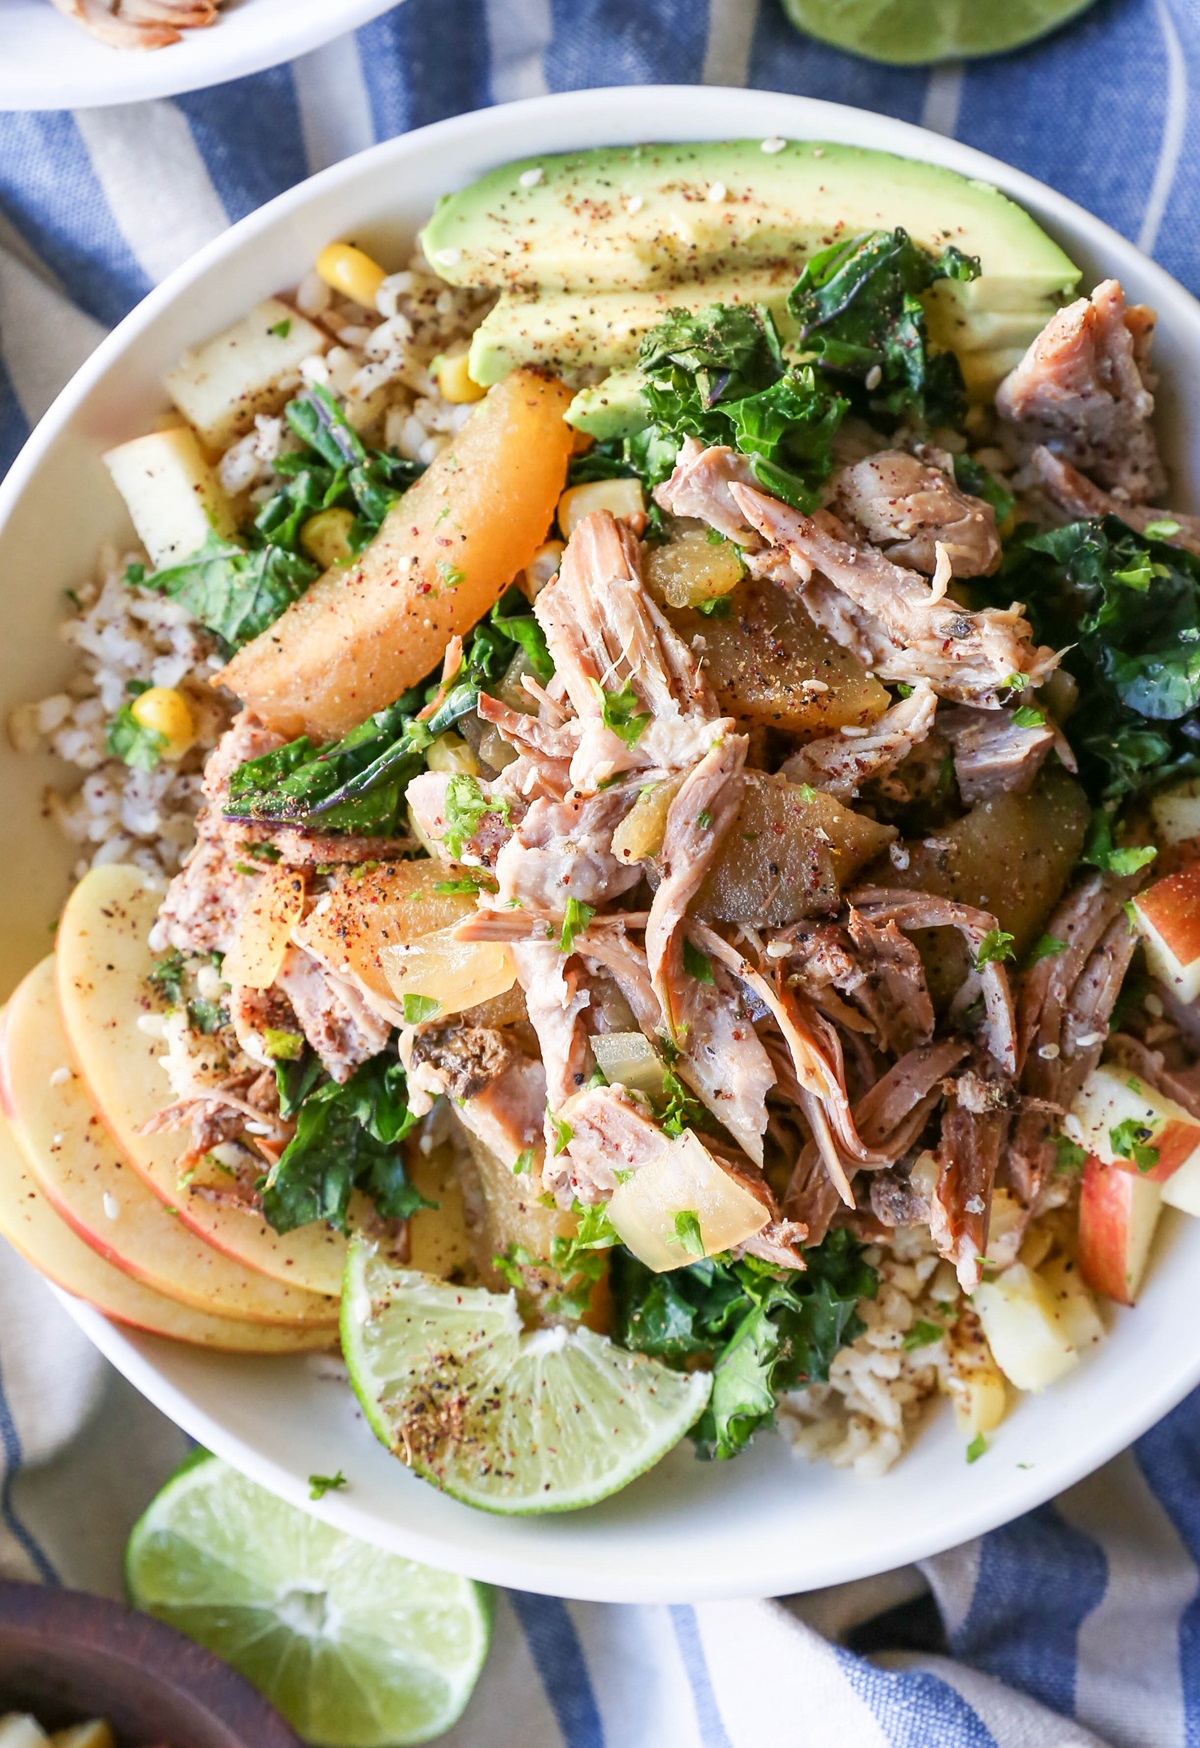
<point x="682" y="1196"/>
<point x="1176" y="813"/>
<point x="88" y="1184"/>
<point x="103" y="963"/>
<point x="1123" y="1121"/>
<point x="1118" y="1212"/>
<point x="30" y="1225"/>
<point x="1168" y="918"/>
<point x="1031" y="1341"/>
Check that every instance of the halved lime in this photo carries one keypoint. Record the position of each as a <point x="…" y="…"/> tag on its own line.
<point x="513" y="1420"/>
<point x="909" y="32"/>
<point x="356" y="1647"/>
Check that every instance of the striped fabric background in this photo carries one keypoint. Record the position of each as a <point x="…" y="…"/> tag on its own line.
<point x="1079" y="1624"/>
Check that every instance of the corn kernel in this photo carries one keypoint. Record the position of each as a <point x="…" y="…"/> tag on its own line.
<point x="623" y="497"/>
<point x="542" y="567"/>
<point x="351" y="272"/>
<point x="454" y="378"/>
<point x="450" y="752"/>
<point x="326" y="537"/>
<point x="165" y="711"/>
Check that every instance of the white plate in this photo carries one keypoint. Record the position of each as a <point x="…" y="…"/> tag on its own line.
<point x="765" y="1523"/>
<point x="49" y="62"/>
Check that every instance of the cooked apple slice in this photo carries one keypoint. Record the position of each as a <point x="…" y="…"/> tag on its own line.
<point x="1168" y="917"/>
<point x="30" y="1225"/>
<point x="682" y="1205"/>
<point x="443" y="556"/>
<point x="103" y="963"/>
<point x="1125" y="1122"/>
<point x="1035" y="1328"/>
<point x="82" y="1175"/>
<point x="1118" y="1212"/>
<point x="172" y="494"/>
<point x="220" y="386"/>
<point x="1176" y="813"/>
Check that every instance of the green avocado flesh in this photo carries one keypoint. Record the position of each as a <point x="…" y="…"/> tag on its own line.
<point x="589" y="249"/>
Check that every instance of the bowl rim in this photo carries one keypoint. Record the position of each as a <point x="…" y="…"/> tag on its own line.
<point x="630" y="113"/>
<point x="162" y="1656"/>
<point x="203" y="60"/>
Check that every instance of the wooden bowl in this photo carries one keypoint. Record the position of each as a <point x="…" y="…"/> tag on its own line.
<point x="67" y="1657"/>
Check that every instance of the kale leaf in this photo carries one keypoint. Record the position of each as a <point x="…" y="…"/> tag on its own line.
<point x="858" y="309"/>
<point x="234" y="593"/>
<point x="347" y="1137"/>
<point x="763" y="1331"/>
<point x="358" y="784"/>
<point x="1129" y="608"/>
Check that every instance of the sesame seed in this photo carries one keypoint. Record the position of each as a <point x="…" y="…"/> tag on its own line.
<point x="634" y="204"/>
<point x="851" y="732"/>
<point x="874" y="377"/>
<point x="531" y="178"/>
<point x="773" y="145"/>
<point x="1153" y="1005"/>
<point x="778" y="949"/>
<point x="61" y="1076"/>
<point x="1090" y="1038"/>
<point x="448" y="257"/>
<point x="111" y="1205"/>
<point x="717" y="191"/>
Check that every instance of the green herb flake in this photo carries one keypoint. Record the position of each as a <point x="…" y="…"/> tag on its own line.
<point x="465" y="806"/>
<point x="1069" y="1157"/>
<point x="509" y="1264"/>
<point x="523" y="1164"/>
<point x="136" y="746"/>
<point x="1131" y="1140"/>
<point x="695" y="963"/>
<point x="320" y="1485"/>
<point x="1163" y="530"/>
<point x="977" y="1447"/>
<point x="575" y="920"/>
<point x="922" y="1334"/>
<point x="619" y="712"/>
<point x="563" y="1133"/>
<point x="469" y="886"/>
<point x="716" y="607"/>
<point x="1045" y="947"/>
<point x="995" y="947"/>
<point x="282" y="329"/>
<point x="688" y="1234"/>
<point x="419" y="1008"/>
<point x="1028" y="717"/>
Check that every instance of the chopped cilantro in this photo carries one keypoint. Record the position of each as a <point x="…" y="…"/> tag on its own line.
<point x="678" y="1110"/>
<point x="904" y="689"/>
<point x="206" y="1016"/>
<point x="1164" y="530"/>
<point x="166" y="977"/>
<point x="704" y="819"/>
<point x="320" y="1485"/>
<point x="921" y="1335"/>
<point x="470" y="884"/>
<point x="696" y="963"/>
<point x="449" y="575"/>
<point x="419" y="1008"/>
<point x="283" y="1046"/>
<point x="563" y="1133"/>
<point x="1130" y="1140"/>
<point x="261" y="852"/>
<point x="620" y="713"/>
<point x="806" y="792"/>
<point x="126" y="739"/>
<point x="1045" y="947"/>
<point x="578" y="916"/>
<point x="995" y="947"/>
<point x="524" y="1162"/>
<point x="466" y="805"/>
<point x="282" y="329"/>
<point x="1028" y="717"/>
<point x="509" y="1263"/>
<point x="716" y="607"/>
<point x="1068" y="1155"/>
<point x="688" y="1234"/>
<point x="976" y="1448"/>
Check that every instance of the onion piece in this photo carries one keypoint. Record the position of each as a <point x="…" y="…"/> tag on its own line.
<point x="264" y="929"/>
<point x="631" y="1060"/>
<point x="455" y="974"/>
<point x="685" y="1179"/>
<point x="641" y="832"/>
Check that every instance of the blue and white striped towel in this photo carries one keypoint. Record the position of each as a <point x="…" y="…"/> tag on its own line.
<point x="1078" y="1625"/>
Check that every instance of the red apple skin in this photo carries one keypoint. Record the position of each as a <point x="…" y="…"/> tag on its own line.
<point x="1174" y="1142"/>
<point x="1172" y="906"/>
<point x="1104" y="1215"/>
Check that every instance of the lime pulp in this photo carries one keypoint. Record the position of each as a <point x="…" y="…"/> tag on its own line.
<point x="912" y="32"/>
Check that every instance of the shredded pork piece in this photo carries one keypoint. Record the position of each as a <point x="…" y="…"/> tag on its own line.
<point x="610" y="1132"/>
<point x="1068" y="488"/>
<point x="841" y="765"/>
<point x="908" y="507"/>
<point x="993" y="754"/>
<point x="975" y="1124"/>
<point x="563" y="849"/>
<point x="342" y="1028"/>
<point x="1085" y="390"/>
<point x="896" y="621"/>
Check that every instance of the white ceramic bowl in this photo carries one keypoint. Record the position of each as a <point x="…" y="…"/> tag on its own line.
<point x="766" y="1523"/>
<point x="48" y="62"/>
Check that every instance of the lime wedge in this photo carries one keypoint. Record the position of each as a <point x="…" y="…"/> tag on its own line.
<point x="909" y="32"/>
<point x="356" y="1647"/>
<point x="509" y="1419"/>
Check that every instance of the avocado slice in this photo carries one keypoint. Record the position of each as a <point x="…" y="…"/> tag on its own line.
<point x="589" y="249"/>
<point x="612" y="408"/>
<point x="637" y="216"/>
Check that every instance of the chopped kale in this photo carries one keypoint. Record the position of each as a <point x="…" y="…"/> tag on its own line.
<point x="135" y="745"/>
<point x="763" y="1331"/>
<point x="234" y="593"/>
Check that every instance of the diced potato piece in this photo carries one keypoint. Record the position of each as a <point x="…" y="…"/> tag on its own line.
<point x="1111" y="1098"/>
<point x="455" y="974"/>
<point x="220" y="386"/>
<point x="695" y="565"/>
<point x="768" y="663"/>
<point x="640" y="833"/>
<point x="630" y="1059"/>
<point x="1176" y="813"/>
<point x="264" y="929"/>
<point x="684" y="1179"/>
<point x="785" y="855"/>
<point x="443" y="556"/>
<point x="173" y="496"/>
<point x="1012" y="856"/>
<point x="396" y="903"/>
<point x="1026" y="1331"/>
